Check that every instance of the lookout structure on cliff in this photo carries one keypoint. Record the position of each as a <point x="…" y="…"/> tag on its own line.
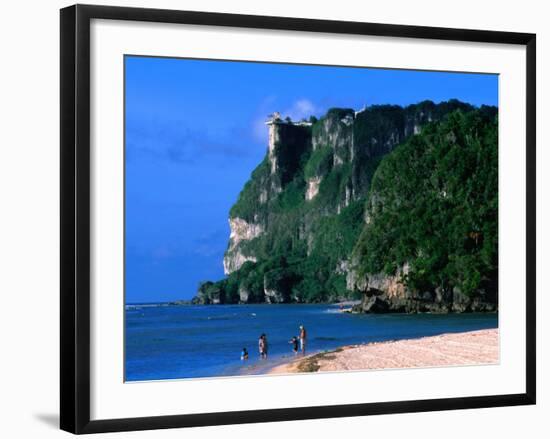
<point x="276" y="119"/>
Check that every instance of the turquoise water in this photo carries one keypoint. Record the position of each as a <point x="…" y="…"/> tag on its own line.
<point x="169" y="342"/>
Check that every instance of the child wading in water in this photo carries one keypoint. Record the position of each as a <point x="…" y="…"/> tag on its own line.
<point x="294" y="342"/>
<point x="244" y="354"/>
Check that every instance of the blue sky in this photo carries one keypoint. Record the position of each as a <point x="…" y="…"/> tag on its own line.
<point x="195" y="131"/>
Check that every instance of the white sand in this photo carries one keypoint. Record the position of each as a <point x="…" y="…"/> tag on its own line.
<point x="466" y="348"/>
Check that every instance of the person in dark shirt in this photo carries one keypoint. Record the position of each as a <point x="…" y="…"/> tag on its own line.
<point x="262" y="346"/>
<point x="294" y="342"/>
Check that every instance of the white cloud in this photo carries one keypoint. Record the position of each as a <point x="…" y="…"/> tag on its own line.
<point x="302" y="108"/>
<point x="260" y="130"/>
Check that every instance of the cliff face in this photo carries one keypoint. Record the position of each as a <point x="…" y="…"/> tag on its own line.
<point x="299" y="218"/>
<point x="240" y="231"/>
<point x="430" y="240"/>
<point x="382" y="293"/>
<point x="288" y="143"/>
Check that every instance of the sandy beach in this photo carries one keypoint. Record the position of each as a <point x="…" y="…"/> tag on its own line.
<point x="466" y="348"/>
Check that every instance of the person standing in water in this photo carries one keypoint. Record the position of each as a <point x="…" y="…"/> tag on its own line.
<point x="303" y="337"/>
<point x="244" y="354"/>
<point x="262" y="346"/>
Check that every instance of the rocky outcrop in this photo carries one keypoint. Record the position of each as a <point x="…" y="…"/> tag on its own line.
<point x="244" y="294"/>
<point x="336" y="131"/>
<point x="277" y="286"/>
<point x="379" y="301"/>
<point x="273" y="296"/>
<point x="209" y="293"/>
<point x="312" y="188"/>
<point x="234" y="260"/>
<point x="388" y="293"/>
<point x="240" y="231"/>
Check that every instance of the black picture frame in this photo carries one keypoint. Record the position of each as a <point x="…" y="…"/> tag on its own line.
<point x="75" y="217"/>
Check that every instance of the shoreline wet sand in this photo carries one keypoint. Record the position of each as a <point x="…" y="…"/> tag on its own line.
<point x="449" y="349"/>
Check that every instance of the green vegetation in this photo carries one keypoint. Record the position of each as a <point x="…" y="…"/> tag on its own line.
<point x="430" y="198"/>
<point x="339" y="113"/>
<point x="434" y="205"/>
<point x="319" y="162"/>
<point x="247" y="203"/>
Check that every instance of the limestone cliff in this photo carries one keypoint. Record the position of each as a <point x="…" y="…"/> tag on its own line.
<point x="240" y="231"/>
<point x="305" y="209"/>
<point x="430" y="240"/>
<point x="287" y="144"/>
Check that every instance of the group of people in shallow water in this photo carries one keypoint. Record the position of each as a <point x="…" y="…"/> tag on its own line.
<point x="298" y="343"/>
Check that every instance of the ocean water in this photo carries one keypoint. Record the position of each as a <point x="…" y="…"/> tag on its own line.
<point x="171" y="342"/>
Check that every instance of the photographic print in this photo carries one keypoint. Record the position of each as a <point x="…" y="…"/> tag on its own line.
<point x="288" y="218"/>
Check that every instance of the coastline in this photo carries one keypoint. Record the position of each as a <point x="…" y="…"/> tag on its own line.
<point x="449" y="349"/>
